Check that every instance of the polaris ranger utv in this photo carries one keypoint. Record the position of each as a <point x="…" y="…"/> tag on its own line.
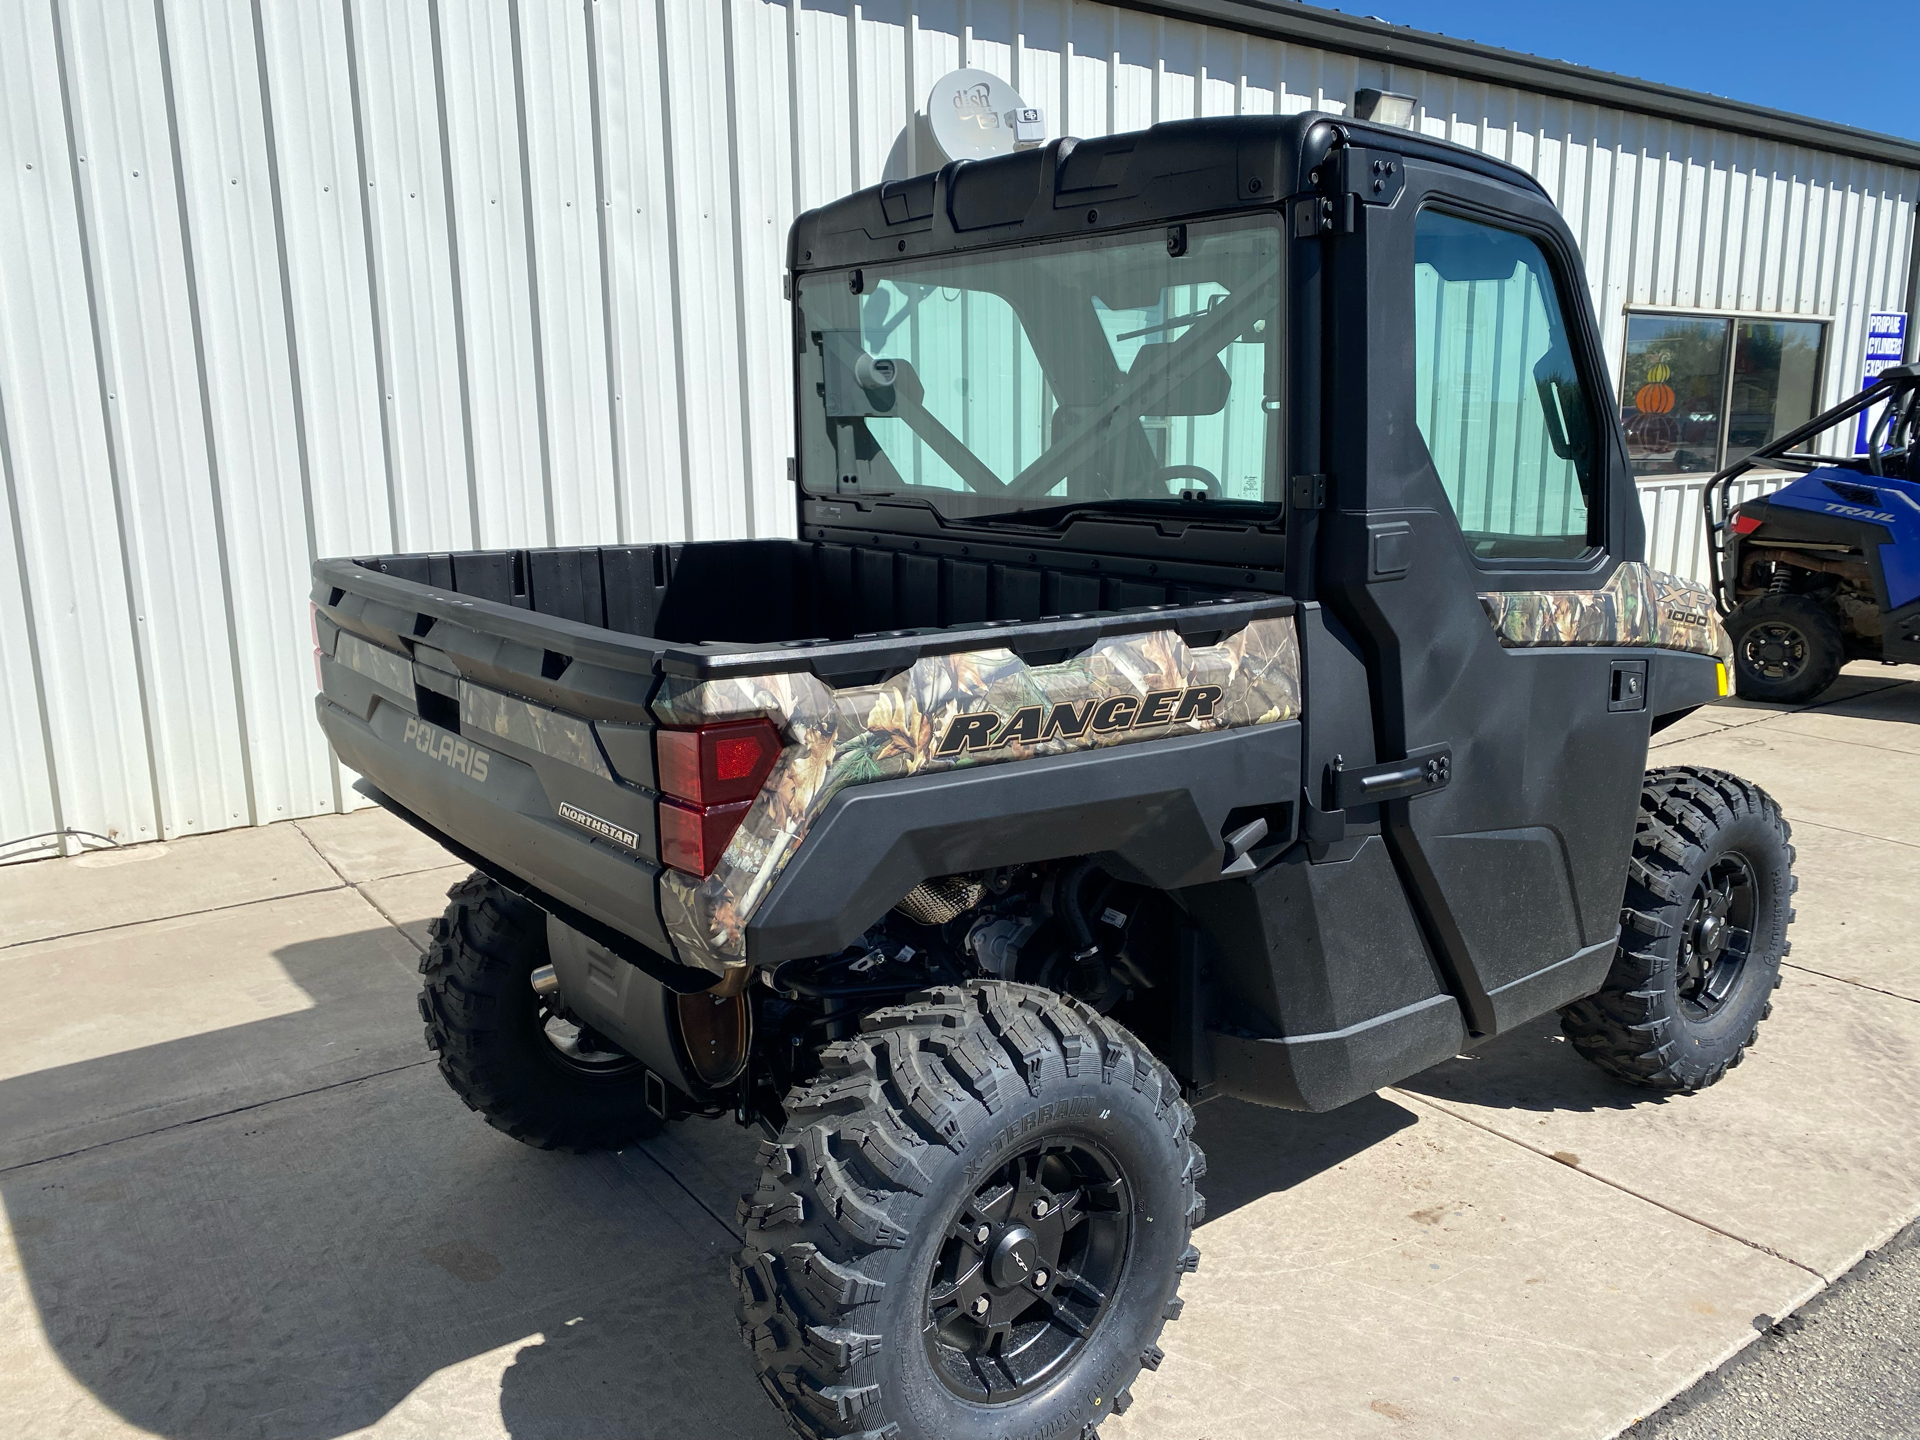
<point x="1214" y="659"/>
<point x="1827" y="568"/>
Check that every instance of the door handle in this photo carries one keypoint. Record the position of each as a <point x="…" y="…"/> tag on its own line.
<point x="1627" y="685"/>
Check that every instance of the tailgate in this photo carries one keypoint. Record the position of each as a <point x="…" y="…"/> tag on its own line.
<point x="538" y="762"/>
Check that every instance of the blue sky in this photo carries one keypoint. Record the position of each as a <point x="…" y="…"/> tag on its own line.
<point x="1857" y="64"/>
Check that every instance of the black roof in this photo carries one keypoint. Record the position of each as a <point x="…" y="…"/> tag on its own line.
<point x="1177" y="170"/>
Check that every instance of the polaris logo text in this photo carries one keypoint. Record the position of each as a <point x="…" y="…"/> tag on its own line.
<point x="470" y="760"/>
<point x="1034" y="724"/>
<point x="605" y="829"/>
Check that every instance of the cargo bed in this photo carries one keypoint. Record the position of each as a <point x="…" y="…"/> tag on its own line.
<point x="508" y="701"/>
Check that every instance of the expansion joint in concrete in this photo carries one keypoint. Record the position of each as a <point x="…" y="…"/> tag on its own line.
<point x="216" y="1115"/>
<point x="1673" y="1210"/>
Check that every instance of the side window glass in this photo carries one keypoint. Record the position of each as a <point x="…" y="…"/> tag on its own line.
<point x="1498" y="398"/>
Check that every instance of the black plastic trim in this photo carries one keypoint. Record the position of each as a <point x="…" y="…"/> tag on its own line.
<point x="1326" y="1071"/>
<point x="1152" y="811"/>
<point x="834" y="661"/>
<point x="1572" y="978"/>
<point x="1678" y="681"/>
<point x="681" y="979"/>
<point x="1175" y="171"/>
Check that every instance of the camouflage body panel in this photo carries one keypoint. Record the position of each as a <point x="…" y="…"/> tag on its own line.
<point x="1638" y="606"/>
<point x="864" y="733"/>
<point x="533" y="727"/>
<point x="379" y="665"/>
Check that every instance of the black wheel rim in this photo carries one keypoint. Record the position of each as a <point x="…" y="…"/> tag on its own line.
<point x="1028" y="1270"/>
<point x="575" y="1048"/>
<point x="1774" y="650"/>
<point x="1717" y="939"/>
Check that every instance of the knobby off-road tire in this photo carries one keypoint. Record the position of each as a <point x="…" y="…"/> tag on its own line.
<point x="487" y="1024"/>
<point x="1786" y="648"/>
<point x="894" y="1201"/>
<point x="1702" y="934"/>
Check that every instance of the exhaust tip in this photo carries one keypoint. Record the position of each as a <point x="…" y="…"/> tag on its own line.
<point x="545" y="981"/>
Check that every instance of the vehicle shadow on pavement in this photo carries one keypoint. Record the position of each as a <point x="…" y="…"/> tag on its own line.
<point x="1531" y="1067"/>
<point x="1253" y="1151"/>
<point x="308" y="1266"/>
<point x="305" y="1246"/>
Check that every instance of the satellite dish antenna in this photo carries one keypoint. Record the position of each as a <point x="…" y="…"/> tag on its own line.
<point x="974" y="114"/>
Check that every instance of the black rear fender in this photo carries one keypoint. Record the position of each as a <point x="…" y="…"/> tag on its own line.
<point x="1154" y="813"/>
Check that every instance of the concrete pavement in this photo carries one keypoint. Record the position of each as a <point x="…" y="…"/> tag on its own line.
<point x="1846" y="1365"/>
<point x="239" y="1201"/>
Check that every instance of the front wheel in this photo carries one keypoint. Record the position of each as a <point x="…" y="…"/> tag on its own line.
<point x="1786" y="648"/>
<point x="973" y="1225"/>
<point x="1704" y="929"/>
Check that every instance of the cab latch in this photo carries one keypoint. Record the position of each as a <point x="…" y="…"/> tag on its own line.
<point x="1425" y="770"/>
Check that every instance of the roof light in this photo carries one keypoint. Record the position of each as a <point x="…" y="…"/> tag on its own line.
<point x="1384" y="107"/>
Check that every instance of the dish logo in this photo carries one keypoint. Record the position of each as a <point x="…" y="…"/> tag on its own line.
<point x="469" y="760"/>
<point x="975" y="104"/>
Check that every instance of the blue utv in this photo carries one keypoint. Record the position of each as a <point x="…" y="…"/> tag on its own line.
<point x="1825" y="569"/>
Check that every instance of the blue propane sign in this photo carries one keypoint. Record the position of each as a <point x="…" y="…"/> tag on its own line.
<point x="1886" y="347"/>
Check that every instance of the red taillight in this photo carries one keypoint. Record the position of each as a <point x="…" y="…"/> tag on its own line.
<point x="1745" y="524"/>
<point x="718" y="764"/>
<point x="708" y="780"/>
<point x="694" y="837"/>
<point x="736" y="757"/>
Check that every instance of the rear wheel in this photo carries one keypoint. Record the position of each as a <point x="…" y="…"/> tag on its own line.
<point x="1702" y="935"/>
<point x="510" y="1052"/>
<point x="1786" y="648"/>
<point x="974" y="1224"/>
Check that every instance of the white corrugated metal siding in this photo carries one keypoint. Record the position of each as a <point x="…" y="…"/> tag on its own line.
<point x="352" y="276"/>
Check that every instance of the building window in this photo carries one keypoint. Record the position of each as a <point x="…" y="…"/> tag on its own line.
<point x="1702" y="391"/>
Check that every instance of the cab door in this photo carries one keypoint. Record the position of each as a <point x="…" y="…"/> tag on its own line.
<point x="1476" y="471"/>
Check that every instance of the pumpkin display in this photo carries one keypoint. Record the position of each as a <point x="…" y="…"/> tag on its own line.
<point x="1656" y="396"/>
